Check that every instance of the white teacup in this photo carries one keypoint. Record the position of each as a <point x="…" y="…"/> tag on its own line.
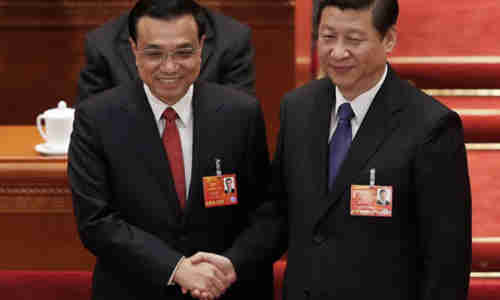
<point x="58" y="126"/>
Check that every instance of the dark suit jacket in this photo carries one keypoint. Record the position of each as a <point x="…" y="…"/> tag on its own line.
<point x="227" y="56"/>
<point x="125" y="202"/>
<point x="416" y="146"/>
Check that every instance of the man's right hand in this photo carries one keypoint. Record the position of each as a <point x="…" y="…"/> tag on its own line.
<point x="202" y="277"/>
<point x="220" y="262"/>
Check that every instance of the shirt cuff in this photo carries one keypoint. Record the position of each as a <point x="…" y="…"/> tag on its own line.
<point x="171" y="279"/>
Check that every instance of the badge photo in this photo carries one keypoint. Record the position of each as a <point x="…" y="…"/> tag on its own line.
<point x="220" y="190"/>
<point x="371" y="200"/>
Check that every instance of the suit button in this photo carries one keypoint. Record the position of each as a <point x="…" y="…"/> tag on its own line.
<point x="307" y="293"/>
<point x="319" y="239"/>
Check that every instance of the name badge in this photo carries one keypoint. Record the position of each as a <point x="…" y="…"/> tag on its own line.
<point x="371" y="200"/>
<point x="220" y="190"/>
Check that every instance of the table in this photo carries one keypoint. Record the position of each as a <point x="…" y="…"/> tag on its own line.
<point x="37" y="226"/>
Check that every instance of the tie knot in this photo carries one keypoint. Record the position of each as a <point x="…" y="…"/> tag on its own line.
<point x="169" y="114"/>
<point x="345" y="112"/>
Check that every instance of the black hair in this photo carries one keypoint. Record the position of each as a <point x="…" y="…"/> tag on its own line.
<point x="166" y="10"/>
<point x="385" y="12"/>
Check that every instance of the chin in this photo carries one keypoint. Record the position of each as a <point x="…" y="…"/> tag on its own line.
<point x="341" y="82"/>
<point x="169" y="91"/>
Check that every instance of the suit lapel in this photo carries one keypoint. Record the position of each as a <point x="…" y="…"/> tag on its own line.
<point x="380" y="121"/>
<point x="125" y="53"/>
<point x="204" y="115"/>
<point x="146" y="140"/>
<point x="319" y="128"/>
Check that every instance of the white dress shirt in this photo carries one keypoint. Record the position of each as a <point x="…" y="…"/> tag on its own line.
<point x="360" y="106"/>
<point x="184" y="110"/>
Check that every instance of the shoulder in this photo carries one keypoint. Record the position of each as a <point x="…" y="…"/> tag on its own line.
<point x="102" y="104"/>
<point x="421" y="111"/>
<point x="225" y="25"/>
<point x="225" y="96"/>
<point x="311" y="88"/>
<point x="110" y="30"/>
<point x="226" y="33"/>
<point x="303" y="95"/>
<point x="425" y="107"/>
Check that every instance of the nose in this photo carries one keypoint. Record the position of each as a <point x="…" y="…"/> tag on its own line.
<point x="339" y="50"/>
<point x="168" y="64"/>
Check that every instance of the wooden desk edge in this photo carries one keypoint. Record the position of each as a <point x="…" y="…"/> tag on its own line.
<point x="15" y="168"/>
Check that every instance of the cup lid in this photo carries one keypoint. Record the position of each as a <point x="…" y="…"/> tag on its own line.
<point x="62" y="111"/>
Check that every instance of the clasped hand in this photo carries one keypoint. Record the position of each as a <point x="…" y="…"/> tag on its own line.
<point x="205" y="275"/>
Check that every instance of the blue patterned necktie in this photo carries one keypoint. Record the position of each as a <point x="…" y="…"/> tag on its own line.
<point x="340" y="142"/>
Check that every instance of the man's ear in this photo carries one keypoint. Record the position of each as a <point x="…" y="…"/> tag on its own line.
<point x="390" y="39"/>
<point x="133" y="45"/>
<point x="202" y="41"/>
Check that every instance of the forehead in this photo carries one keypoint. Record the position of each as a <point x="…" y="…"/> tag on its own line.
<point x="167" y="33"/>
<point x="334" y="18"/>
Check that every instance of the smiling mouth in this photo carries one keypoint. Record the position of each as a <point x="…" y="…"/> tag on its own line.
<point x="341" y="68"/>
<point x="169" y="80"/>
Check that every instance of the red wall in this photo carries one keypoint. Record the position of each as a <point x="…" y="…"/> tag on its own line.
<point x="448" y="28"/>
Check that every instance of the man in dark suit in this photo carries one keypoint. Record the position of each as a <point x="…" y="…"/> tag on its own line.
<point x="138" y="155"/>
<point x="360" y="129"/>
<point x="227" y="56"/>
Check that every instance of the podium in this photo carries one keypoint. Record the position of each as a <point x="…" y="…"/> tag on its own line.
<point x="37" y="224"/>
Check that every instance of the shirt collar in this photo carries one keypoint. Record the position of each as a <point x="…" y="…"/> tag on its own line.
<point x="361" y="103"/>
<point x="183" y="107"/>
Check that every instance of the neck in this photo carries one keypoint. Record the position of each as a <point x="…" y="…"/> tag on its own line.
<point x="169" y="102"/>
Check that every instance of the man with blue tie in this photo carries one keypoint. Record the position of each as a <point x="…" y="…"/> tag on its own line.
<point x="346" y="136"/>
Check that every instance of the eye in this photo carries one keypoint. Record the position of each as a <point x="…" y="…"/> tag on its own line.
<point x="354" y="40"/>
<point x="327" y="37"/>
<point x="184" y="53"/>
<point x="153" y="54"/>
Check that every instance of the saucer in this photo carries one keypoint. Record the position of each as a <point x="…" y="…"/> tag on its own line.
<point x="50" y="150"/>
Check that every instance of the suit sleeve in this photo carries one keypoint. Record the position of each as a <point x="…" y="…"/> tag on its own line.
<point x="129" y="249"/>
<point x="238" y="66"/>
<point x="94" y="76"/>
<point x="265" y="239"/>
<point x="443" y="207"/>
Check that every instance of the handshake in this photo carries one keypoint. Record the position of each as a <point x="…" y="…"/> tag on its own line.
<point x="205" y="275"/>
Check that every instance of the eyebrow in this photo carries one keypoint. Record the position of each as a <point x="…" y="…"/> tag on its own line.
<point x="157" y="47"/>
<point x="152" y="46"/>
<point x="185" y="45"/>
<point x="327" y="27"/>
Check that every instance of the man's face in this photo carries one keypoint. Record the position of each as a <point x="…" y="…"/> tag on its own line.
<point x="383" y="195"/>
<point x="168" y="77"/>
<point x="228" y="183"/>
<point x="351" y="51"/>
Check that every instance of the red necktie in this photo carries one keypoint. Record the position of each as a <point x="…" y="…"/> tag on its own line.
<point x="172" y="144"/>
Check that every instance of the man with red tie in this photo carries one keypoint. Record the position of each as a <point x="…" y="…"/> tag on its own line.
<point x="140" y="155"/>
